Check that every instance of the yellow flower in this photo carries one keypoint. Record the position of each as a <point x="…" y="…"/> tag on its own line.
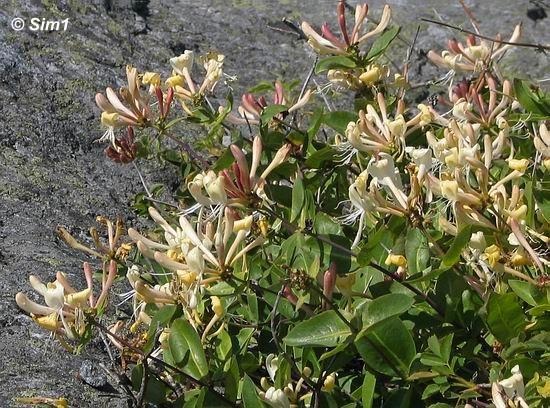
<point x="110" y="119"/>
<point x="397" y="260"/>
<point x="373" y="74"/>
<point x="217" y="306"/>
<point x="49" y="322"/>
<point x="175" y="80"/>
<point x="151" y="78"/>
<point x="493" y="255"/>
<point x="518" y="164"/>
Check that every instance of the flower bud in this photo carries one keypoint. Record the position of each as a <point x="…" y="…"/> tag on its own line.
<point x="217" y="306"/>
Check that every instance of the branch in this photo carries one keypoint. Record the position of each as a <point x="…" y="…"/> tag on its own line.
<point x="539" y="47"/>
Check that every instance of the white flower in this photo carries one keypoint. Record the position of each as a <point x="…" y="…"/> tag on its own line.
<point x="385" y="174"/>
<point x="183" y="62"/>
<point x="272" y="365"/>
<point x="276" y="398"/>
<point x="509" y="389"/>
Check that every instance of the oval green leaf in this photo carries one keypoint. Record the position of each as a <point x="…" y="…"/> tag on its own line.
<point x="183" y="340"/>
<point x="325" y="329"/>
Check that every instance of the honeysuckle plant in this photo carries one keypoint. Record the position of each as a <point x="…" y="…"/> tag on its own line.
<point x="387" y="254"/>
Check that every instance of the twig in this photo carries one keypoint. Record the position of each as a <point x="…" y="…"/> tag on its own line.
<point x="292" y="228"/>
<point x="540" y="47"/>
<point x="142" y="179"/>
<point x="154" y="200"/>
<point x="288" y="358"/>
<point x="199" y="383"/>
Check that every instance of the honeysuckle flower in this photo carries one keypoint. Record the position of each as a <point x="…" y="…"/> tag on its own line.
<point x="470" y="105"/>
<point x="329" y="383"/>
<point x="373" y="74"/>
<point x="213" y="184"/>
<point x="122" y="150"/>
<point x="275" y="398"/>
<point x="241" y="182"/>
<point x="510" y="391"/>
<point x="251" y="107"/>
<point x="328" y="43"/>
<point x="474" y="57"/>
<point x="63" y="313"/>
<point x="377" y="132"/>
<point x="492" y="255"/>
<point x="385" y="174"/>
<point x="363" y="206"/>
<point x="344" y="79"/>
<point x="272" y="365"/>
<point x="196" y="257"/>
<point x="151" y="78"/>
<point x="135" y="110"/>
<point x="218" y="309"/>
<point x="213" y="64"/>
<point x="186" y="90"/>
<point x="542" y="144"/>
<point x="183" y="64"/>
<point x="422" y="158"/>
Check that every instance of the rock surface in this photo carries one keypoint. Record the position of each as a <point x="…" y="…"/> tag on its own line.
<point x="50" y="171"/>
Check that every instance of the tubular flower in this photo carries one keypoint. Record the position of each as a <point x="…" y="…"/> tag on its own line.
<point x="474" y="57"/>
<point x="363" y="206"/>
<point x="197" y="256"/>
<point x="186" y="90"/>
<point x="510" y="391"/>
<point x="132" y="110"/>
<point x="377" y="132"/>
<point x="385" y="174"/>
<point x="241" y="181"/>
<point x="63" y="314"/>
<point x="329" y="43"/>
<point x="251" y="107"/>
<point x="470" y="105"/>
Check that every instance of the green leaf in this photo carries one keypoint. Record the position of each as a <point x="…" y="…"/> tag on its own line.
<point x="326" y="225"/>
<point x="270" y="111"/>
<point x="338" y="120"/>
<point x="224" y="161"/>
<point x="384" y="308"/>
<point x="325" y="329"/>
<point x="183" y="339"/>
<point x="389" y="348"/>
<point x="317" y="159"/>
<point x="250" y="396"/>
<point x="528" y="99"/>
<point x="367" y="391"/>
<point x="453" y="254"/>
<point x="505" y="317"/>
<point x="382" y="43"/>
<point x="527" y="292"/>
<point x="417" y="251"/>
<point x="298" y="199"/>
<point x="334" y="62"/>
